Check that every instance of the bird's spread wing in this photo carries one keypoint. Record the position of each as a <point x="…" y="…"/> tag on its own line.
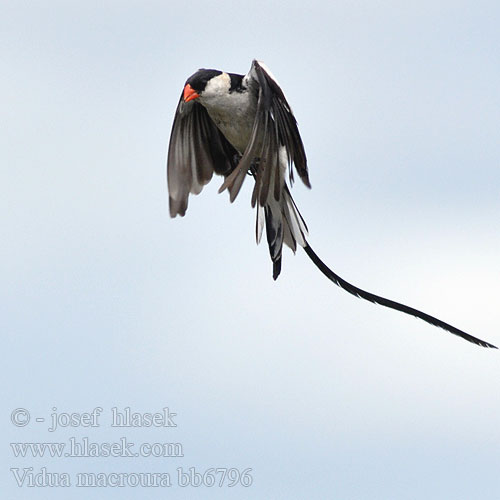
<point x="197" y="149"/>
<point x="274" y="133"/>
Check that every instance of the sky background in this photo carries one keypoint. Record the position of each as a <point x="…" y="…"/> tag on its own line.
<point x="108" y="302"/>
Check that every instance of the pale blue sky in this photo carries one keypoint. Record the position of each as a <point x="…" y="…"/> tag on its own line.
<point x="108" y="302"/>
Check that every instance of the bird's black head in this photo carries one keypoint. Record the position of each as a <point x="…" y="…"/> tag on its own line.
<point x="197" y="83"/>
<point x="199" y="80"/>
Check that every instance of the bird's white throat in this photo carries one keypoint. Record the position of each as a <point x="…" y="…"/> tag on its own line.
<point x="232" y="112"/>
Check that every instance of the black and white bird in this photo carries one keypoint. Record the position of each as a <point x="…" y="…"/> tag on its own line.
<point x="236" y="125"/>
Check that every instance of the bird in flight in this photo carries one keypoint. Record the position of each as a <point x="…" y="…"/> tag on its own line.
<point x="238" y="125"/>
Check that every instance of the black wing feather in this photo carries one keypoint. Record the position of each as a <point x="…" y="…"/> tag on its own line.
<point x="288" y="132"/>
<point x="274" y="126"/>
<point x="196" y="150"/>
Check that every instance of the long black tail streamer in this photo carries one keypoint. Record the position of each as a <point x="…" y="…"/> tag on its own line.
<point x="354" y="290"/>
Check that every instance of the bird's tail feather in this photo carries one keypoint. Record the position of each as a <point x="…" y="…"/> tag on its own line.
<point x="284" y="224"/>
<point x="358" y="292"/>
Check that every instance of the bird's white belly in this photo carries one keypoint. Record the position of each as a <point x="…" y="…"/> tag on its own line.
<point x="236" y="128"/>
<point x="234" y="117"/>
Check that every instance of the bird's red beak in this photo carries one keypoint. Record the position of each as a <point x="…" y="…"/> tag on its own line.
<point x="190" y="93"/>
